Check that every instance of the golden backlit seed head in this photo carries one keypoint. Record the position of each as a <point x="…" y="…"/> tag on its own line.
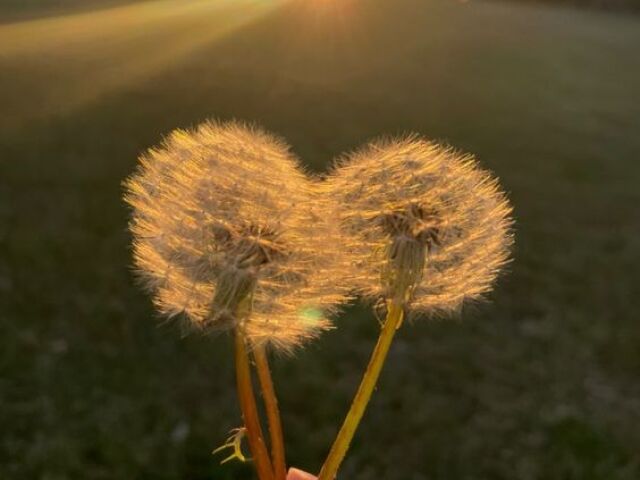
<point x="229" y="232"/>
<point x="422" y="223"/>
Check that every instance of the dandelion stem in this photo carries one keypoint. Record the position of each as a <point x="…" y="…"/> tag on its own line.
<point x="363" y="395"/>
<point x="273" y="413"/>
<point x="250" y="411"/>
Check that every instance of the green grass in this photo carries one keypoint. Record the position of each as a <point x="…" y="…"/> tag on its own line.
<point x="541" y="383"/>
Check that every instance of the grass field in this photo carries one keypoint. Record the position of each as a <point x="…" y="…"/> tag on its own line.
<point x="541" y="383"/>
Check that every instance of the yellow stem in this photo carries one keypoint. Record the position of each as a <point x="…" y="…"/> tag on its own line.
<point x="273" y="413"/>
<point x="360" y="401"/>
<point x="250" y="411"/>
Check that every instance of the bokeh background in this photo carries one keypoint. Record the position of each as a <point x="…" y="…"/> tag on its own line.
<point x="540" y="383"/>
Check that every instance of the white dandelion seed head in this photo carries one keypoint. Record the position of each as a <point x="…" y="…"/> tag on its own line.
<point x="229" y="232"/>
<point x="423" y="224"/>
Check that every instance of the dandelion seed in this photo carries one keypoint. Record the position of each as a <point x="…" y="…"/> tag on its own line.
<point x="229" y="232"/>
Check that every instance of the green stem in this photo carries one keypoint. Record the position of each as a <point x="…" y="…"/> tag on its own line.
<point x="250" y="411"/>
<point x="343" y="440"/>
<point x="273" y="413"/>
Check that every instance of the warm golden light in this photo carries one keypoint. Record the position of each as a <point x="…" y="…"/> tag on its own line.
<point x="105" y="50"/>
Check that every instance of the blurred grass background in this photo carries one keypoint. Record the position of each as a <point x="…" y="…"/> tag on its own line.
<point x="541" y="383"/>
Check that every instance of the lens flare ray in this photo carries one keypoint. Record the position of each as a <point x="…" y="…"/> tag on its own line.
<point x="106" y="50"/>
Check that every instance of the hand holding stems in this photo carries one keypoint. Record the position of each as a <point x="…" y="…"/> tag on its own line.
<point x="263" y="463"/>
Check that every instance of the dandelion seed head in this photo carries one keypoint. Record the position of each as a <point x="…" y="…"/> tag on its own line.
<point x="423" y="224"/>
<point x="230" y="232"/>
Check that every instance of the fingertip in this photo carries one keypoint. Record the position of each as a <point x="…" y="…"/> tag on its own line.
<point x="295" y="474"/>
